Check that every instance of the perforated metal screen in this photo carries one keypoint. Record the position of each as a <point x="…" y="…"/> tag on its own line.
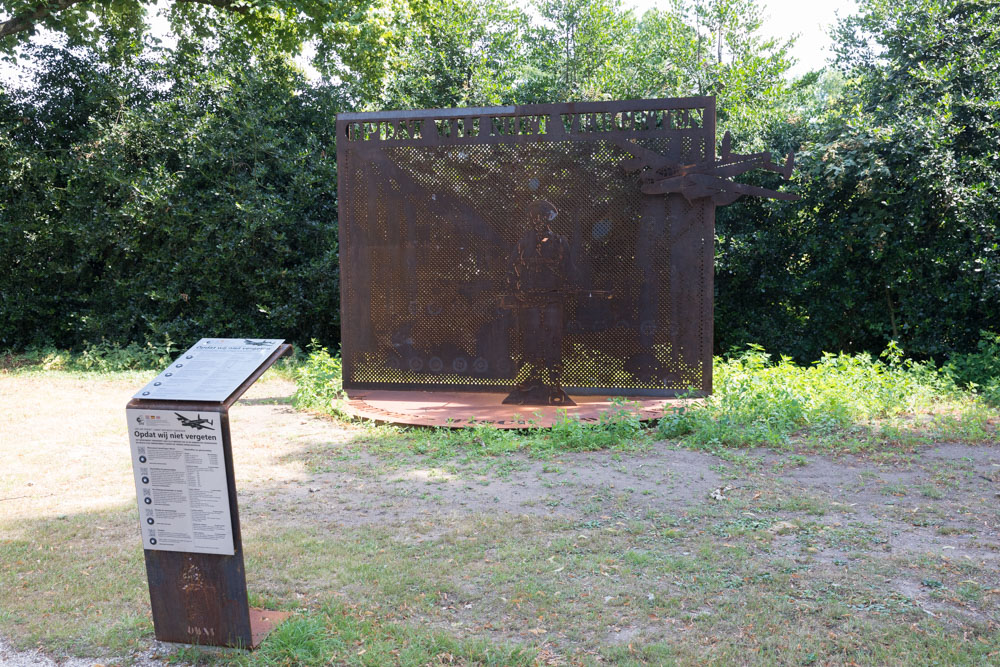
<point x="438" y="234"/>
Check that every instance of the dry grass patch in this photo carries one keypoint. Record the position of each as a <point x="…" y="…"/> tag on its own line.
<point x="573" y="558"/>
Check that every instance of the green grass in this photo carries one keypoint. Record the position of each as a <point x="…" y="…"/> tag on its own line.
<point x="106" y="360"/>
<point x="775" y="574"/>
<point x="618" y="429"/>
<point x="90" y="579"/>
<point x="772" y="575"/>
<point x="843" y="403"/>
<point x="840" y="402"/>
<point x="341" y="635"/>
<point x="338" y="634"/>
<point x="564" y="589"/>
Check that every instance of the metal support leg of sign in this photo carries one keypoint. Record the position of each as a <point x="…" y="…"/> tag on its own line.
<point x="196" y="597"/>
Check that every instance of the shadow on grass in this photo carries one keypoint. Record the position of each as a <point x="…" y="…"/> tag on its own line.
<point x="504" y="591"/>
<point x="76" y="585"/>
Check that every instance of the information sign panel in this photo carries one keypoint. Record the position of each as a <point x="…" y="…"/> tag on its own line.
<point x="180" y="480"/>
<point x="211" y="370"/>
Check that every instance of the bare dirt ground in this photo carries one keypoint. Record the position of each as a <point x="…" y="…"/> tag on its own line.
<point x="602" y="556"/>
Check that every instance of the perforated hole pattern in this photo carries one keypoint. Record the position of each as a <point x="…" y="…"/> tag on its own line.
<point x="434" y="203"/>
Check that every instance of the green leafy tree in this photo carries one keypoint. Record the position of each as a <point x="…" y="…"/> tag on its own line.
<point x="460" y="53"/>
<point x="897" y="233"/>
<point x="909" y="176"/>
<point x="745" y="71"/>
<point x="354" y="40"/>
<point x="596" y="49"/>
<point x="576" y="48"/>
<point x="203" y="204"/>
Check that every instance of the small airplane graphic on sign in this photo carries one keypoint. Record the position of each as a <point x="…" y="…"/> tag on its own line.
<point x="198" y="424"/>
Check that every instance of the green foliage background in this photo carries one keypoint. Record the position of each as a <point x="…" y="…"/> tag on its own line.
<point x="157" y="194"/>
<point x="189" y="196"/>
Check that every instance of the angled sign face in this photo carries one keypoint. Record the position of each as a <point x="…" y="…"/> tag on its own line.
<point x="210" y="371"/>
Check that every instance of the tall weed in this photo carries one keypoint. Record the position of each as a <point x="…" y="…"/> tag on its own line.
<point x="979" y="370"/>
<point x="318" y="383"/>
<point x="100" y="358"/>
<point x="758" y="401"/>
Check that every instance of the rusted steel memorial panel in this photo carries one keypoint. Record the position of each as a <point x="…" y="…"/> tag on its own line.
<point x="535" y="251"/>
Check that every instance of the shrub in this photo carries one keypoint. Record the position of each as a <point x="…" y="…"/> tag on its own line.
<point x="204" y="206"/>
<point x="100" y="358"/>
<point x="318" y="384"/>
<point x="758" y="401"/>
<point x="979" y="370"/>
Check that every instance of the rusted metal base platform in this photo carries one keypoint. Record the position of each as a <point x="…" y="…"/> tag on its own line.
<point x="262" y="621"/>
<point x="462" y="409"/>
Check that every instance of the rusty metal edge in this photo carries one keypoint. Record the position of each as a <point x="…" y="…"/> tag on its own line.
<point x="519" y="109"/>
<point x="262" y="622"/>
<point x="504" y="389"/>
<point x="359" y="409"/>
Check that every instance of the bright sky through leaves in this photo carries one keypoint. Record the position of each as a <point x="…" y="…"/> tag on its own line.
<point x="782" y="18"/>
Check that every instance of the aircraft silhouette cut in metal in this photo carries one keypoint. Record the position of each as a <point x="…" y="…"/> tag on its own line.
<point x="197" y="424"/>
<point x="706" y="179"/>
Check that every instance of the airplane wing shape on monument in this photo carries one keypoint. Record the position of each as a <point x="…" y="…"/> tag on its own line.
<point x="706" y="179"/>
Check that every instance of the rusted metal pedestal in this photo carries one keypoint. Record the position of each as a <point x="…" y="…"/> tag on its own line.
<point x="455" y="409"/>
<point x="200" y="598"/>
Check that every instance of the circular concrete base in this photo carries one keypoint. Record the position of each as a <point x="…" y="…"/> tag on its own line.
<point x="462" y="409"/>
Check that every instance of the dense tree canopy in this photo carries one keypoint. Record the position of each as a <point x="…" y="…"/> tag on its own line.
<point x="132" y="167"/>
<point x="155" y="202"/>
<point x="897" y="234"/>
